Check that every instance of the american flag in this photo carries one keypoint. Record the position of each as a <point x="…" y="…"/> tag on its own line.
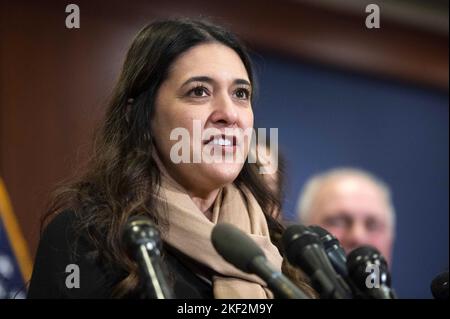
<point x="15" y="263"/>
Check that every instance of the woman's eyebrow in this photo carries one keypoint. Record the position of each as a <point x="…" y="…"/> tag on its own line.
<point x="210" y="80"/>
<point x="242" y="81"/>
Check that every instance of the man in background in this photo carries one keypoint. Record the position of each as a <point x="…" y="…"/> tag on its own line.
<point x="353" y="205"/>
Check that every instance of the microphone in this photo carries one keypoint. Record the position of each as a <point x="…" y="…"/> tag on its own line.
<point x="334" y="250"/>
<point x="439" y="286"/>
<point x="144" y="243"/>
<point x="305" y="250"/>
<point x="243" y="253"/>
<point x="336" y="255"/>
<point x="369" y="273"/>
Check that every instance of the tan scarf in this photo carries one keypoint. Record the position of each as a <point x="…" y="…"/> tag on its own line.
<point x="190" y="232"/>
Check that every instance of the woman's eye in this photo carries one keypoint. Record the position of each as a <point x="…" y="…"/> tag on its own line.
<point x="242" y="94"/>
<point x="199" y="91"/>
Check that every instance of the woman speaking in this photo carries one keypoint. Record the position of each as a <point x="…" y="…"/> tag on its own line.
<point x="183" y="75"/>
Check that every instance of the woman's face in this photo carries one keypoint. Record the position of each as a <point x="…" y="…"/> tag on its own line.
<point x="207" y="95"/>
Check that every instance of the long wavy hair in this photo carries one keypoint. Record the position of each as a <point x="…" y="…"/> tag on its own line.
<point x="121" y="177"/>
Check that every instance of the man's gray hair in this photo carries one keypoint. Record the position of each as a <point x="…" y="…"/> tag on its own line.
<point x="315" y="183"/>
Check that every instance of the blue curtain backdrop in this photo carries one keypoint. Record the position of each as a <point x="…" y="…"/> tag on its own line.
<point x="328" y="118"/>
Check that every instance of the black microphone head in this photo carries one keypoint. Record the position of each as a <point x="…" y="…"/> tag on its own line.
<point x="295" y="238"/>
<point x="439" y="286"/>
<point x="140" y="230"/>
<point x="334" y="250"/>
<point x="304" y="249"/>
<point x="299" y="240"/>
<point x="362" y="263"/>
<point x="235" y="246"/>
<point x="299" y="234"/>
<point x="328" y="240"/>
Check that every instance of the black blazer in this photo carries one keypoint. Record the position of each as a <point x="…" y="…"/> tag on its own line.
<point x="56" y="251"/>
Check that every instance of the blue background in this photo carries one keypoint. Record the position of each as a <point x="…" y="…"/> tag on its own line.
<point x="328" y="118"/>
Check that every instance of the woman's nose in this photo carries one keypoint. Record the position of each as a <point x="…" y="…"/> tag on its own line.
<point x="225" y="111"/>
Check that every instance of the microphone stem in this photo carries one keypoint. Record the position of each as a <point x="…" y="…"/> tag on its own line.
<point x="328" y="287"/>
<point x="281" y="286"/>
<point x="151" y="270"/>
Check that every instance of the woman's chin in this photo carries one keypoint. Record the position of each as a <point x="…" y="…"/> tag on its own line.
<point x="221" y="174"/>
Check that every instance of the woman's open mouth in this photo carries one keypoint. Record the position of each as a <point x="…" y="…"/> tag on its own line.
<point x="225" y="142"/>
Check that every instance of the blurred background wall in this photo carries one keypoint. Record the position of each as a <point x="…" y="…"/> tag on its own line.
<point x="340" y="94"/>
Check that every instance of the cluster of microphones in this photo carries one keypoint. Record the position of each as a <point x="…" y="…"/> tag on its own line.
<point x="363" y="274"/>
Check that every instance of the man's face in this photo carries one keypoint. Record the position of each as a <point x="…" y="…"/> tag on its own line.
<point x="355" y="211"/>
